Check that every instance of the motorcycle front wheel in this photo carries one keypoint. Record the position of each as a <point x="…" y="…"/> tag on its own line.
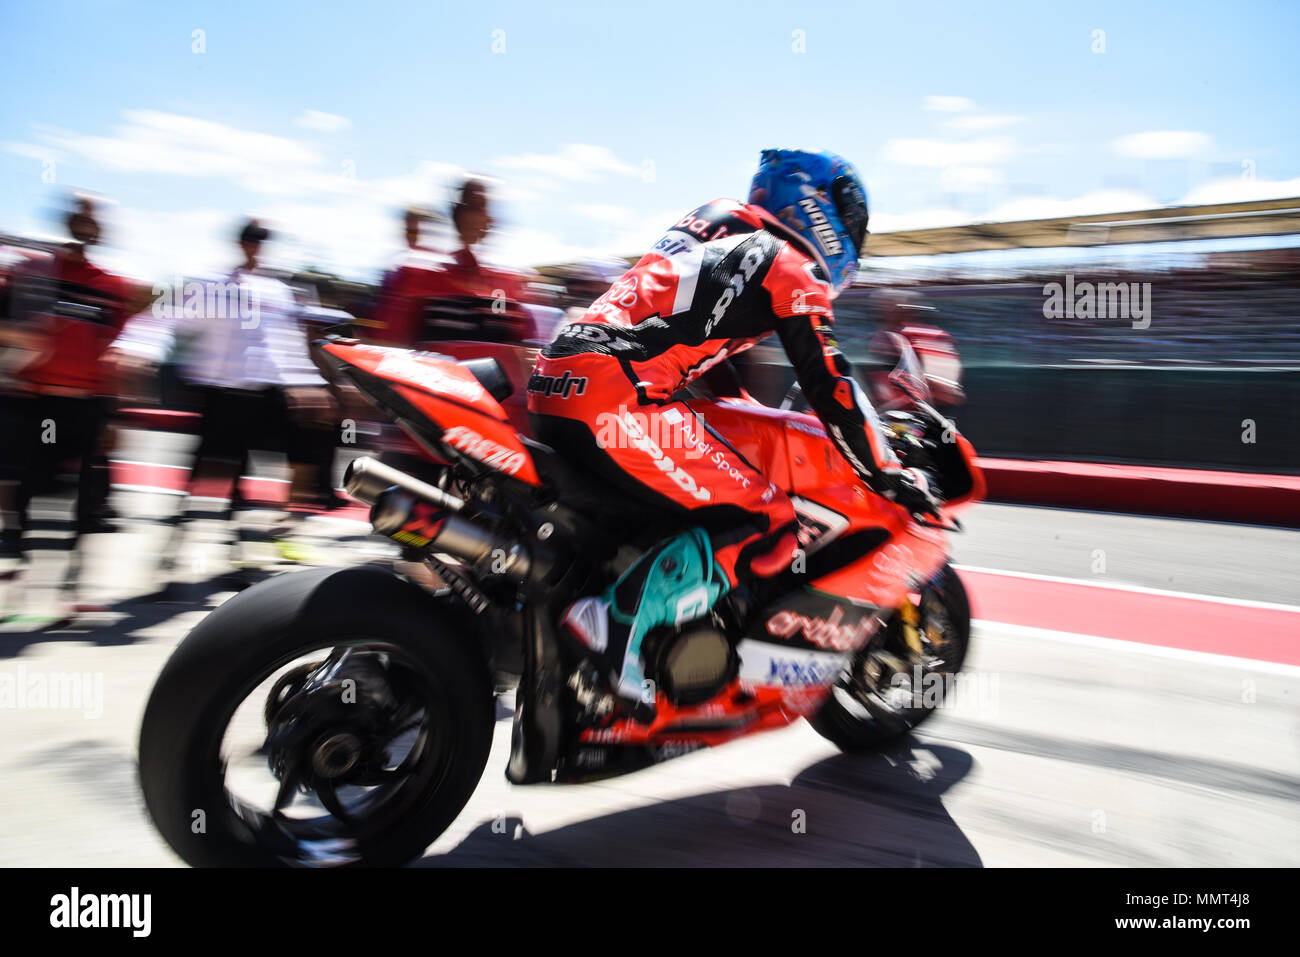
<point x="899" y="679"/>
<point x="327" y="717"/>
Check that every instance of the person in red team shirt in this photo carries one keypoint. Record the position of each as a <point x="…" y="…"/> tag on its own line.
<point x="725" y="276"/>
<point x="453" y="297"/>
<point x="399" y="306"/>
<point x="903" y="312"/>
<point x="64" y="312"/>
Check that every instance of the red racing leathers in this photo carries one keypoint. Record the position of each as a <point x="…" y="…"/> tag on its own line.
<point x="724" y="277"/>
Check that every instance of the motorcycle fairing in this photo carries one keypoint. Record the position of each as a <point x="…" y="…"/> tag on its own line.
<point x="793" y="450"/>
<point x="443" y="402"/>
<point x="813" y="619"/>
<point x="789" y="659"/>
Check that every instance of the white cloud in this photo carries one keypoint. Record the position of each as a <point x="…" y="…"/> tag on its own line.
<point x="155" y="142"/>
<point x="1047" y="207"/>
<point x="323" y="122"/>
<point x="947" y="104"/>
<point x="155" y="245"/>
<point x="930" y="218"/>
<point x="575" y="162"/>
<point x="939" y="153"/>
<point x="983" y="124"/>
<point x="353" y="237"/>
<point x="1028" y="207"/>
<point x="430" y="183"/>
<point x="522" y="246"/>
<point x="324" y="210"/>
<point x="605" y="212"/>
<point x="1237" y="189"/>
<point x="1163" y="144"/>
<point x="32" y="151"/>
<point x="968" y="179"/>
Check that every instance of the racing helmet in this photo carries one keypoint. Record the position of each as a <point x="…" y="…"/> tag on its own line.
<point x="820" y="197"/>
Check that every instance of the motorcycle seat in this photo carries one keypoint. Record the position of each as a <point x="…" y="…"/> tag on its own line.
<point x="491" y="376"/>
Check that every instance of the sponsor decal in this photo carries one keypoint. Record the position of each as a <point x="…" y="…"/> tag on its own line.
<point x="694" y="604"/>
<point x="423" y="525"/>
<point x="824" y="632"/>
<point x="558" y="386"/>
<point x="822" y="229"/>
<point x="484" y="450"/>
<point x="694" y="224"/>
<point x="402" y="366"/>
<point x="762" y="663"/>
<point x="620" y="296"/>
<point x="669" y="429"/>
<point x="640" y="440"/>
<point x="818" y="526"/>
<point x="805" y="427"/>
<point x="674" y="243"/>
<point x="749" y="264"/>
<point x="791" y="671"/>
<point x="597" y="334"/>
<point x="698" y="447"/>
<point x="606" y="735"/>
<point x="675" y="749"/>
<point x="894" y="561"/>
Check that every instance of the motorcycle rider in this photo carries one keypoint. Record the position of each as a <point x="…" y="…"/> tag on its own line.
<point x="603" y="393"/>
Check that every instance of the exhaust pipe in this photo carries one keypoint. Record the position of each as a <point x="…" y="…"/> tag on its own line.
<point x="417" y="514"/>
<point x="367" y="477"/>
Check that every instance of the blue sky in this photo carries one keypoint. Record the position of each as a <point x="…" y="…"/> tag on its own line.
<point x="603" y="123"/>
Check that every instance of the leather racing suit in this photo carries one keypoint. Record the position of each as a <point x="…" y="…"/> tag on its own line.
<point x="724" y="277"/>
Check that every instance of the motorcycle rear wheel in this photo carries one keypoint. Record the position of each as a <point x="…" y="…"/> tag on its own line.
<point x="430" y="662"/>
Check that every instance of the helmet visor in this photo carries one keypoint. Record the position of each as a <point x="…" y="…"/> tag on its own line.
<point x="851" y="204"/>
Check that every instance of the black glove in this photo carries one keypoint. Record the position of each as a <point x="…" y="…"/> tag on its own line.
<point x="912" y="491"/>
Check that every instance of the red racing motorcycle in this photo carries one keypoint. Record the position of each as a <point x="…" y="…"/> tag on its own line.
<point x="343" y="716"/>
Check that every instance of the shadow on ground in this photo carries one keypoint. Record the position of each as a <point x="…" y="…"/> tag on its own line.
<point x="882" y="809"/>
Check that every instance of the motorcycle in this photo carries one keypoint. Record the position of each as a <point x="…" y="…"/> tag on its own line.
<point x="336" y="717"/>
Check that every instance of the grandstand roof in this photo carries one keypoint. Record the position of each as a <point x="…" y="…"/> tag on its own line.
<point x="1260" y="218"/>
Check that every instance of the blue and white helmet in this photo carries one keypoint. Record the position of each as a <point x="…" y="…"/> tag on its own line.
<point x="821" y="197"/>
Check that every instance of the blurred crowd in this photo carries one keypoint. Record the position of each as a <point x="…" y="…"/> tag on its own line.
<point x="85" y="352"/>
<point x="1222" y="309"/>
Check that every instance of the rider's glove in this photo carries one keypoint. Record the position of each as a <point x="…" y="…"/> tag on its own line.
<point x="912" y="491"/>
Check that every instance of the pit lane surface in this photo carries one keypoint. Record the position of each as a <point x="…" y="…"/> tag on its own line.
<point x="1062" y="748"/>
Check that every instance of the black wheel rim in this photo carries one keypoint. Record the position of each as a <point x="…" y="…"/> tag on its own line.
<point x="326" y="823"/>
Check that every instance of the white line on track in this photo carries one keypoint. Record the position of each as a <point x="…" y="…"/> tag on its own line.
<point x="993" y="628"/>
<point x="1141" y="589"/>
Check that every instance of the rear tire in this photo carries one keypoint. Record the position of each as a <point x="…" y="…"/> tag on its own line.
<point x="857" y="717"/>
<point x="242" y="643"/>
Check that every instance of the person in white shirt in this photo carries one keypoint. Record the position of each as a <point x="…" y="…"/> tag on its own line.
<point x="244" y="356"/>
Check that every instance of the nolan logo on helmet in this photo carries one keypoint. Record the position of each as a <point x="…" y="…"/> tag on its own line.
<point x="821" y="227"/>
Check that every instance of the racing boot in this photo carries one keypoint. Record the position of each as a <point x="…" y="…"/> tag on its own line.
<point x="675" y="582"/>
